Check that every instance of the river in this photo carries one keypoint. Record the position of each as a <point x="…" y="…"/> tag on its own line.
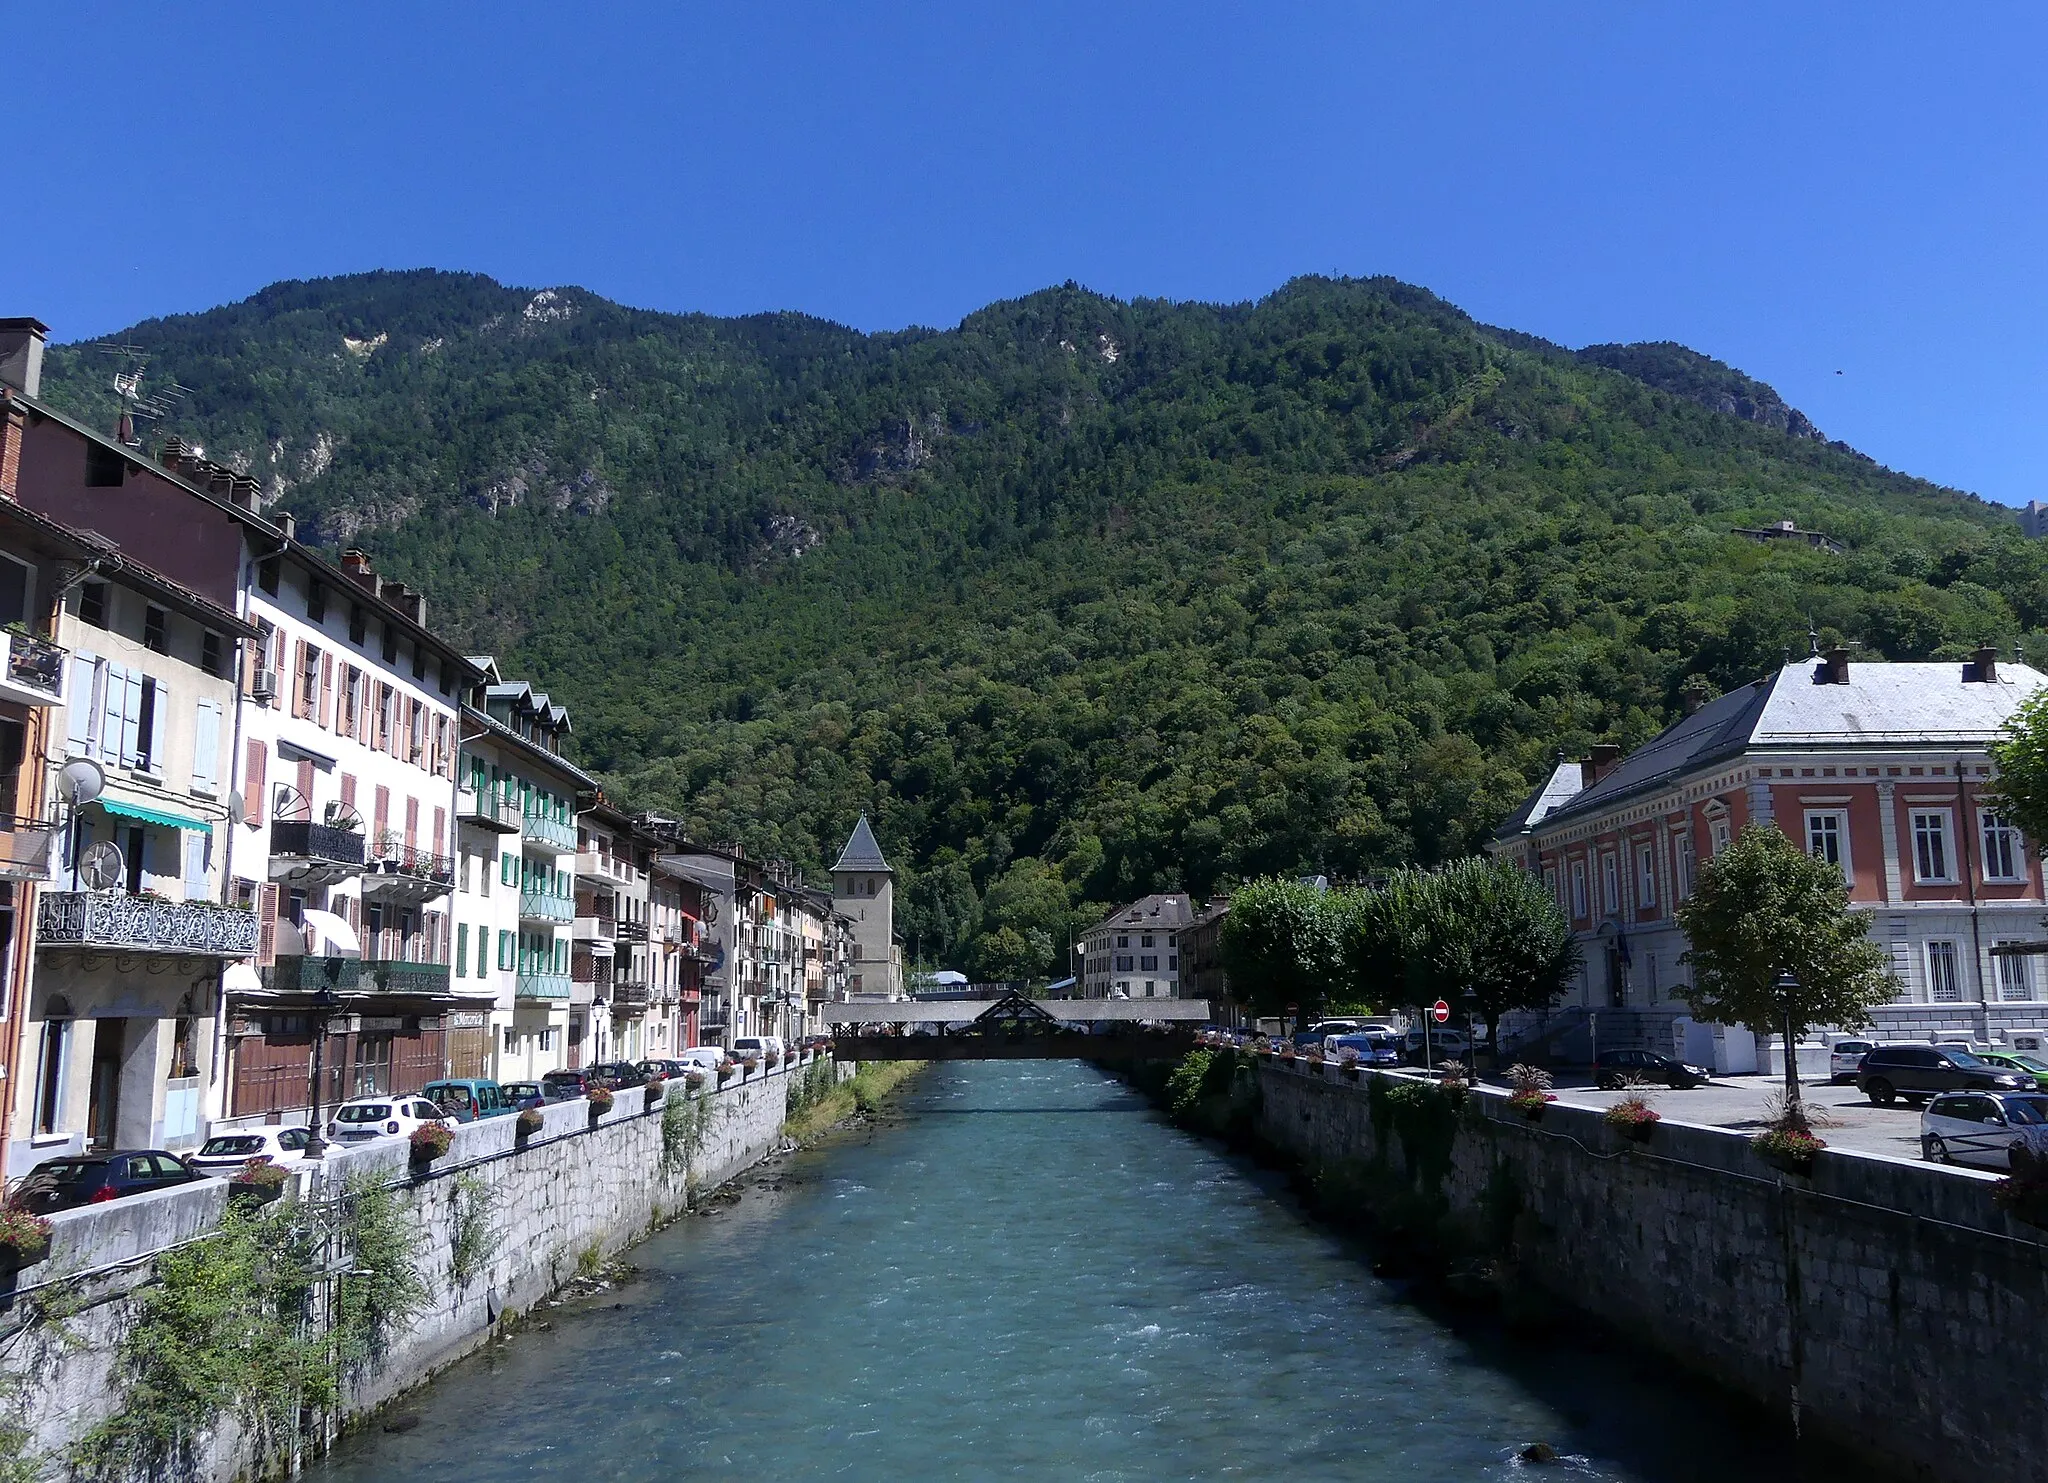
<point x="1022" y="1272"/>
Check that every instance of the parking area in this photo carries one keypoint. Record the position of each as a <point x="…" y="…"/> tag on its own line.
<point x="1843" y="1116"/>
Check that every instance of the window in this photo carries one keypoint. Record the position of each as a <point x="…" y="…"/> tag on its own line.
<point x="2015" y="976"/>
<point x="390" y="644"/>
<point x="155" y="630"/>
<point x="210" y="655"/>
<point x="206" y="747"/>
<point x="1148" y="963"/>
<point x="1685" y="865"/>
<point x="50" y="1073"/>
<point x="1827" y="838"/>
<point x="113" y="714"/>
<point x="2004" y="856"/>
<point x="104" y="466"/>
<point x="507" y="946"/>
<point x="1930" y="845"/>
<point x="1646" y="876"/>
<point x="316" y="602"/>
<point x="308" y="682"/>
<point x="358" y="624"/>
<point x="1610" y="883"/>
<point x="1943" y="984"/>
<point x="547" y="1040"/>
<point x="1579" y="889"/>
<point x="419" y="661"/>
<point x="92" y="604"/>
<point x="1550" y="882"/>
<point x="1123" y="942"/>
<point x="1720" y="834"/>
<point x="1145" y="941"/>
<point x="269" y="574"/>
<point x="1173" y="962"/>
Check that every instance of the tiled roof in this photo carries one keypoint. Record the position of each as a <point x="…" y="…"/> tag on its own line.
<point x="862" y="852"/>
<point x="1170" y="909"/>
<point x="1557" y="789"/>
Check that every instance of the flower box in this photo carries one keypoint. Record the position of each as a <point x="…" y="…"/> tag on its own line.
<point x="259" y="1179"/>
<point x="693" y="1081"/>
<point x="1788" y="1149"/>
<point x="430" y="1141"/>
<point x="600" y="1099"/>
<point x="655" y="1091"/>
<point x="24" y="1237"/>
<point x="1531" y="1103"/>
<point x="727" y="1071"/>
<point x="527" y="1124"/>
<point x="1632" y="1118"/>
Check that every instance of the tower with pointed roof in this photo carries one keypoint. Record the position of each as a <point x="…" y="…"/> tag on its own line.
<point x="864" y="892"/>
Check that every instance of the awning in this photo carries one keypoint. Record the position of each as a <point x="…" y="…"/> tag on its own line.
<point x="339" y="934"/>
<point x="241" y="978"/>
<point x="148" y="815"/>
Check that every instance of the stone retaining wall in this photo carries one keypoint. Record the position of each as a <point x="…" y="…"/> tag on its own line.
<point x="1891" y="1303"/>
<point x="575" y="1187"/>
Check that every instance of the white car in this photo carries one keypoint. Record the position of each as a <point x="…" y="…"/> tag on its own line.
<point x="1845" y="1058"/>
<point x="705" y="1058"/>
<point x="757" y="1045"/>
<point x="366" y="1119"/>
<point x="1981" y="1127"/>
<point x="224" y="1153"/>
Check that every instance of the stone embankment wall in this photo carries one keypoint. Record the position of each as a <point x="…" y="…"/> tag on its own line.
<point x="1888" y="1309"/>
<point x="576" y="1191"/>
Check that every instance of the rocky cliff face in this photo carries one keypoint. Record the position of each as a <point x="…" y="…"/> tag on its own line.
<point x="1671" y="367"/>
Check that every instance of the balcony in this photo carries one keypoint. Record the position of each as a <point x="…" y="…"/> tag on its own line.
<point x="486" y="810"/>
<point x="309" y="975"/>
<point x="400" y="976"/>
<point x="542" y="986"/>
<point x="591" y="928"/>
<point x="630" y="932"/>
<point x="25" y="849"/>
<point x="551" y="834"/>
<point x="403" y="873"/>
<point x="545" y="906"/>
<point x="309" y="854"/>
<point x="114" y="922"/>
<point x="33" y="671"/>
<point x="629" y="996"/>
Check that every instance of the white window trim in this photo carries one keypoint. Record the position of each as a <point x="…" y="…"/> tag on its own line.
<point x="2028" y="978"/>
<point x="2019" y="850"/>
<point x="1646" y="875"/>
<point x="1580" y="903"/>
<point x="1841" y="818"/>
<point x="1927" y="966"/>
<point x="1610" y="883"/>
<point x="1948" y="845"/>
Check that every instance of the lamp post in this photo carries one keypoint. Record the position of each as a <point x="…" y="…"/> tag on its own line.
<point x="325" y="1002"/>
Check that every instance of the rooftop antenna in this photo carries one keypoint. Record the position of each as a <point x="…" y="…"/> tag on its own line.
<point x="136" y="405"/>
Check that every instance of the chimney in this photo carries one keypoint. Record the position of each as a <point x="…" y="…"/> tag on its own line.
<point x="1690" y="700"/>
<point x="1837" y="667"/>
<point x="357" y="566"/>
<point x="1985" y="671"/>
<point x="245" y="492"/>
<point x="1598" y="763"/>
<point x="289" y="525"/>
<point x="21" y="354"/>
<point x="172" y="454"/>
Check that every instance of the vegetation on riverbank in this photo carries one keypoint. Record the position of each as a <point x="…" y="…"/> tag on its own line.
<point x="818" y="1101"/>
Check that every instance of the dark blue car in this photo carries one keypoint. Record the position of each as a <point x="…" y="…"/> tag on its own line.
<point x="90" y="1179"/>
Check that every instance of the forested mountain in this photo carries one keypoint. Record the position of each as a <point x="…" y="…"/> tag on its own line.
<point x="1082" y="597"/>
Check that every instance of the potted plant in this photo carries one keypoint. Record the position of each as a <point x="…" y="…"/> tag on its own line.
<point x="1531" y="1092"/>
<point x="773" y="1058"/>
<point x="527" y="1124"/>
<point x="24" y="1237"/>
<point x="727" y="1070"/>
<point x="430" y="1141"/>
<point x="656" y="1087"/>
<point x="2023" y="1194"/>
<point x="1633" y="1118"/>
<point x="693" y="1081"/>
<point x="600" y="1099"/>
<point x="258" y="1179"/>
<point x="749" y="1065"/>
<point x="1789" y="1146"/>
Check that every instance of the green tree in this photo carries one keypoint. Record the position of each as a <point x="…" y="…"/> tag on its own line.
<point x="2021" y="790"/>
<point x="1774" y="947"/>
<point x="1283" y="946"/>
<point x="1514" y="948"/>
<point x="1378" y="941"/>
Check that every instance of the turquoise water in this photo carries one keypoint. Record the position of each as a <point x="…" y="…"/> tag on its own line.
<point x="1024" y="1273"/>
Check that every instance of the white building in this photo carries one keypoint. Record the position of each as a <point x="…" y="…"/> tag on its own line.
<point x="864" y="892"/>
<point x="1134" y="953"/>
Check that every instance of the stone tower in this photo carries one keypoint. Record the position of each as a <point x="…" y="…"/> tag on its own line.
<point x="864" y="892"/>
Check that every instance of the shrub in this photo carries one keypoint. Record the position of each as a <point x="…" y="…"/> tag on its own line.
<point x="1788" y="1148"/>
<point x="430" y="1141"/>
<point x="1632" y="1116"/>
<point x="261" y="1173"/>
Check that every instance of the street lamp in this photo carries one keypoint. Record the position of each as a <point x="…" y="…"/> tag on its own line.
<point x="325" y="1002"/>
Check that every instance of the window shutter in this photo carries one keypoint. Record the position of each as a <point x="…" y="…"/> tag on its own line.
<point x="253" y="794"/>
<point x="412" y="823"/>
<point x="266" y="924"/>
<point x="382" y="817"/>
<point x="348" y="789"/>
<point x="277" y="643"/>
<point x="306" y="789"/>
<point x="195" y="865"/>
<point x="153" y="725"/>
<point x="299" y="678"/>
<point x="440" y="829"/>
<point x="206" y="746"/>
<point x="81" y="706"/>
<point x="130" y="742"/>
<point x="326" y="717"/>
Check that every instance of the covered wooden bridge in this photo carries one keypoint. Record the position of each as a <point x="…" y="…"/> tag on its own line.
<point x="1014" y="1028"/>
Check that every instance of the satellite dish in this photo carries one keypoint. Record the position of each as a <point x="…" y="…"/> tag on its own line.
<point x="81" y="780"/>
<point x="238" y="808"/>
<point x="101" y="866"/>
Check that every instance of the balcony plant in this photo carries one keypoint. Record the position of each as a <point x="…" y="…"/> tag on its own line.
<point x="773" y="1058"/>
<point x="431" y="1141"/>
<point x="727" y="1070"/>
<point x="24" y="1237"/>
<point x="749" y="1065"/>
<point x="1633" y="1118"/>
<point x="1531" y="1092"/>
<point x="600" y="1098"/>
<point x="693" y="1081"/>
<point x="529" y="1122"/>
<point x="260" y="1179"/>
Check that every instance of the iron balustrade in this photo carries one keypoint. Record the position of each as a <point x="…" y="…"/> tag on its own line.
<point x="402" y="976"/>
<point x="118" y="922"/>
<point x="308" y="974"/>
<point x="629" y="993"/>
<point x="35" y="664"/>
<point x="393" y="856"/>
<point x="301" y="838"/>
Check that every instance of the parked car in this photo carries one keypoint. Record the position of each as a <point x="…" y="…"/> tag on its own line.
<point x="618" y="1075"/>
<point x="1982" y="1127"/>
<point x="2018" y="1061"/>
<point x="705" y="1058"/>
<point x="1445" y="1044"/>
<point x="1845" y="1059"/>
<point x="366" y="1119"/>
<point x="225" y="1153"/>
<point x="1617" y="1068"/>
<point x="1374" y="1047"/>
<point x="520" y="1095"/>
<point x="567" y="1086"/>
<point x="94" y="1178"/>
<point x="756" y="1045"/>
<point x="652" y="1069"/>
<point x="468" y="1098"/>
<point x="1915" y="1073"/>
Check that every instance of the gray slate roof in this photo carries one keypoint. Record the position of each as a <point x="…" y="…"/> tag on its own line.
<point x="862" y="852"/>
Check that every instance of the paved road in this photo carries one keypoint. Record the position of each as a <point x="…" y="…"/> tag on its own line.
<point x="1844" y="1116"/>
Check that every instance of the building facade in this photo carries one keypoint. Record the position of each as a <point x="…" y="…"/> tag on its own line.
<point x="1881" y="769"/>
<point x="1134" y="953"/>
<point x="864" y="892"/>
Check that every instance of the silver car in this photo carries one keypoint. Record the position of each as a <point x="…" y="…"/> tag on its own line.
<point x="1845" y="1059"/>
<point x="1981" y="1128"/>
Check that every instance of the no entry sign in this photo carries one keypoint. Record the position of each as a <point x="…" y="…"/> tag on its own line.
<point x="1439" y="1011"/>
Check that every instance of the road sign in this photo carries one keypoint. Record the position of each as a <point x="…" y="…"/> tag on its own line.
<point x="1440" y="1011"/>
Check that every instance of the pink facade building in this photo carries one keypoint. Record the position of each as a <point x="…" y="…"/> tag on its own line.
<point x="1879" y="768"/>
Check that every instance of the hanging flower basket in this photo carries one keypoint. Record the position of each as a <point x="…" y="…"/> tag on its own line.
<point x="1788" y="1149"/>
<point x="750" y="1064"/>
<point x="727" y="1070"/>
<point x="259" y="1179"/>
<point x="430" y="1141"/>
<point x="655" y="1090"/>
<point x="529" y="1122"/>
<point x="1633" y="1118"/>
<point x="24" y="1237"/>
<point x="600" y="1102"/>
<point x="693" y="1081"/>
<point x="773" y="1058"/>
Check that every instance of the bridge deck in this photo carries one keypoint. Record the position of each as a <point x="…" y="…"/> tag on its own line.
<point x="962" y="1011"/>
<point x="1164" y="1045"/>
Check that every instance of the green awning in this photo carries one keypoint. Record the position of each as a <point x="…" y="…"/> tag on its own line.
<point x="149" y="815"/>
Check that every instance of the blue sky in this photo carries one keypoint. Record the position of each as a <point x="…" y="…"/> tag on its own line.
<point x="1794" y="189"/>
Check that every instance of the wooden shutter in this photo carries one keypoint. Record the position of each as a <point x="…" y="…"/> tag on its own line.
<point x="253" y="793"/>
<point x="326" y="717"/>
<point x="348" y="789"/>
<point x="306" y="788"/>
<point x="277" y="642"/>
<point x="300" y="659"/>
<point x="440" y="829"/>
<point x="382" y="817"/>
<point x="266" y="924"/>
<point x="412" y="823"/>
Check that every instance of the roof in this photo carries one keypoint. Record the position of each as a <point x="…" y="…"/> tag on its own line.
<point x="862" y="852"/>
<point x="1555" y="791"/>
<point x="116" y="564"/>
<point x="1161" y="909"/>
<point x="1920" y="705"/>
<point x="497" y="730"/>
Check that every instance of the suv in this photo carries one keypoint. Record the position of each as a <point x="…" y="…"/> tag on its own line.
<point x="1845" y="1059"/>
<point x="1983" y="1127"/>
<point x="1618" y="1068"/>
<point x="1916" y="1072"/>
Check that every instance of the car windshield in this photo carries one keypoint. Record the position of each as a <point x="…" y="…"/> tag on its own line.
<point x="2028" y="1063"/>
<point x="522" y="1089"/>
<point x="223" y="1148"/>
<point x="364" y="1112"/>
<point x="69" y="1171"/>
<point x="1965" y="1060"/>
<point x="2029" y="1112"/>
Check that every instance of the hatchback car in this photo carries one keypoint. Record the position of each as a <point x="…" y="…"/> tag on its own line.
<point x="366" y="1119"/>
<point x="225" y="1153"/>
<point x="1619" y="1068"/>
<point x="1914" y="1073"/>
<point x="520" y="1095"/>
<point x="1845" y="1059"/>
<point x="2019" y="1061"/>
<point x="1370" y="1048"/>
<point x="1982" y="1127"/>
<point x="1445" y="1044"/>
<point x="95" y="1178"/>
<point x="618" y="1075"/>
<point x="706" y="1058"/>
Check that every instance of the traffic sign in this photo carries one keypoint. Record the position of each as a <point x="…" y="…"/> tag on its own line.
<point x="1440" y="1011"/>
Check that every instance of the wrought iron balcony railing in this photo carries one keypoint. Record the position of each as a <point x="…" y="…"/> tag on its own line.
<point x="302" y="839"/>
<point x="390" y="856"/>
<point x="398" y="976"/>
<point x="34" y="670"/>
<point x="628" y="994"/>
<point x="309" y="975"/>
<point x="117" y="922"/>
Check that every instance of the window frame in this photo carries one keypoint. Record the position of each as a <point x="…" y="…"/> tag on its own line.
<point x="1646" y="875"/>
<point x="2022" y="966"/>
<point x="1581" y="900"/>
<point x="1990" y="823"/>
<point x="1943" y="833"/>
<point x="1839" y="819"/>
<point x="1953" y="957"/>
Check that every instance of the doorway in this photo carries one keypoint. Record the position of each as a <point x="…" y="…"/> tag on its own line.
<point x="103" y="1100"/>
<point x="1617" y="979"/>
